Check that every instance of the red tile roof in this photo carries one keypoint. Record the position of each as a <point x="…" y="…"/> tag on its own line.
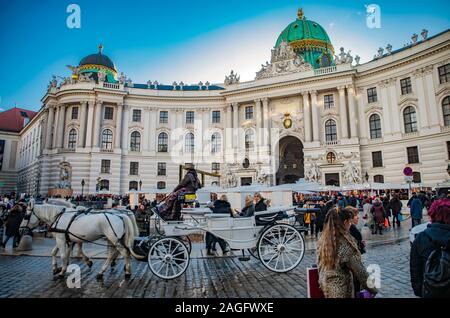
<point x="12" y="120"/>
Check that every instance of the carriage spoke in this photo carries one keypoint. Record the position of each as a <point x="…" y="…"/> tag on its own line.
<point x="173" y="269"/>
<point x="167" y="269"/>
<point x="276" y="263"/>
<point x="292" y="254"/>
<point x="282" y="260"/>
<point x="288" y="258"/>
<point x="179" y="259"/>
<point x="179" y="266"/>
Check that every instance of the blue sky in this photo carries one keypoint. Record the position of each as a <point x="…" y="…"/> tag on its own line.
<point x="188" y="41"/>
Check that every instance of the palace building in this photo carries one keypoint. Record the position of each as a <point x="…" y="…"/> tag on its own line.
<point x="312" y="112"/>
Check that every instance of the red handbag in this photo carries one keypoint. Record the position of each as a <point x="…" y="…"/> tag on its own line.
<point x="386" y="222"/>
<point x="312" y="283"/>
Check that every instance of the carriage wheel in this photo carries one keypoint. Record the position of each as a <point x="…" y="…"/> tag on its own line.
<point x="281" y="248"/>
<point x="187" y="241"/>
<point x="168" y="258"/>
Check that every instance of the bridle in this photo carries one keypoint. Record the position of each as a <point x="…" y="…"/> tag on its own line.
<point x="27" y="217"/>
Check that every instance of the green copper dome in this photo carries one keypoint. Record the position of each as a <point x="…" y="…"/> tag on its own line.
<point x="310" y="40"/>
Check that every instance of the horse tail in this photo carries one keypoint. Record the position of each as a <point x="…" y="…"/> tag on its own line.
<point x="130" y="235"/>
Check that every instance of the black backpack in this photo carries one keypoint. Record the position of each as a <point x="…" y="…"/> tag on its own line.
<point x="436" y="275"/>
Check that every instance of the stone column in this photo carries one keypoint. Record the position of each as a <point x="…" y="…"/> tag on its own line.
<point x="258" y="120"/>
<point x="55" y="127"/>
<point x="352" y="112"/>
<point x="343" y="112"/>
<point x="82" y="133"/>
<point x="97" y="123"/>
<point x="145" y="138"/>
<point x="50" y="119"/>
<point x="118" y="134"/>
<point x="394" y="107"/>
<point x="61" y="124"/>
<point x="90" y="124"/>
<point x="361" y="113"/>
<point x="307" y="114"/>
<point x="204" y="139"/>
<point x="266" y="117"/>
<point x="432" y="105"/>
<point x="315" y="116"/>
<point x="422" y="112"/>
<point x="235" y="126"/>
<point x="67" y="119"/>
<point x="152" y="130"/>
<point x="126" y="114"/>
<point x="386" y="107"/>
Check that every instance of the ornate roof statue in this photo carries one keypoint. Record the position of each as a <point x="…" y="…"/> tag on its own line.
<point x="343" y="58"/>
<point x="232" y="79"/>
<point x="284" y="61"/>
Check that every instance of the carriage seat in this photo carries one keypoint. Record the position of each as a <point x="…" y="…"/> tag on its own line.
<point x="267" y="217"/>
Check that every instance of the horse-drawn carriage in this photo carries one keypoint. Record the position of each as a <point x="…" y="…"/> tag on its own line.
<point x="267" y="236"/>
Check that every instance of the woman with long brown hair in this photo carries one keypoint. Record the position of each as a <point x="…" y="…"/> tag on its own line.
<point x="339" y="258"/>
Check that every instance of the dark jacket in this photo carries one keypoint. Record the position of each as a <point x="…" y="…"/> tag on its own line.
<point x="416" y="208"/>
<point x="378" y="212"/>
<point x="421" y="250"/>
<point x="358" y="237"/>
<point x="387" y="207"/>
<point x="190" y="182"/>
<point x="396" y="206"/>
<point x="222" y="207"/>
<point x="247" y="211"/>
<point x="13" y="222"/>
<point x="352" y="201"/>
<point x="260" y="206"/>
<point x="321" y="215"/>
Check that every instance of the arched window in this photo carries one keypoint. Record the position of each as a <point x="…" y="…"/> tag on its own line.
<point x="410" y="119"/>
<point x="163" y="142"/>
<point x="135" y="144"/>
<point x="375" y="126"/>
<point x="378" y="178"/>
<point x="216" y="143"/>
<point x="446" y="110"/>
<point x="133" y="186"/>
<point x="72" y="139"/>
<point x="189" y="143"/>
<point x="161" y="185"/>
<point x="104" y="185"/>
<point x="107" y="138"/>
<point x="330" y="130"/>
<point x="249" y="139"/>
<point x="417" y="178"/>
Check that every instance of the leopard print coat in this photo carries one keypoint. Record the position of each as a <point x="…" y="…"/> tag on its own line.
<point x="338" y="283"/>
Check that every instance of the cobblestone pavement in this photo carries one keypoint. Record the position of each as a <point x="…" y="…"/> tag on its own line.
<point x="30" y="276"/>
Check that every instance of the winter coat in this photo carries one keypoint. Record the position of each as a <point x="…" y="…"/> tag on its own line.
<point x="13" y="222"/>
<point x="223" y="207"/>
<point x="260" y="206"/>
<point x="338" y="283"/>
<point x="421" y="250"/>
<point x="321" y="215"/>
<point x="378" y="212"/>
<point x="396" y="206"/>
<point x="358" y="238"/>
<point x="342" y="203"/>
<point x="190" y="182"/>
<point x="416" y="208"/>
<point x="247" y="211"/>
<point x="387" y="207"/>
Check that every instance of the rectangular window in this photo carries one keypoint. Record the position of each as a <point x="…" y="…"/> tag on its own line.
<point x="163" y="117"/>
<point x="328" y="101"/>
<point x="134" y="168"/>
<point x="372" y="95"/>
<point x="106" y="166"/>
<point x="216" y="116"/>
<point x="190" y="117"/>
<point x="162" y="169"/>
<point x="246" y="181"/>
<point x="377" y="159"/>
<point x="448" y="149"/>
<point x="215" y="167"/>
<point x="74" y="112"/>
<point x="444" y="73"/>
<point x="249" y="112"/>
<point x="405" y="85"/>
<point x="136" y="115"/>
<point x="109" y="113"/>
<point x="413" y="155"/>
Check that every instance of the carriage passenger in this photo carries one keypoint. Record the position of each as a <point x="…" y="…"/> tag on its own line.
<point x="248" y="210"/>
<point x="221" y="206"/>
<point x="260" y="204"/>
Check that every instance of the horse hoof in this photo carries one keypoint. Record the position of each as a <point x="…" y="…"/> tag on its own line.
<point x="56" y="270"/>
<point x="89" y="264"/>
<point x="61" y="276"/>
<point x="127" y="276"/>
<point x="99" y="276"/>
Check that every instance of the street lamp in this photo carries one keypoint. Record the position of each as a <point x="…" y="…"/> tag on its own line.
<point x="366" y="177"/>
<point x="448" y="169"/>
<point x="140" y="185"/>
<point x="82" y="187"/>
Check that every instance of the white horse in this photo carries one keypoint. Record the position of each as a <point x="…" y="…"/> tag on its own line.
<point x="71" y="226"/>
